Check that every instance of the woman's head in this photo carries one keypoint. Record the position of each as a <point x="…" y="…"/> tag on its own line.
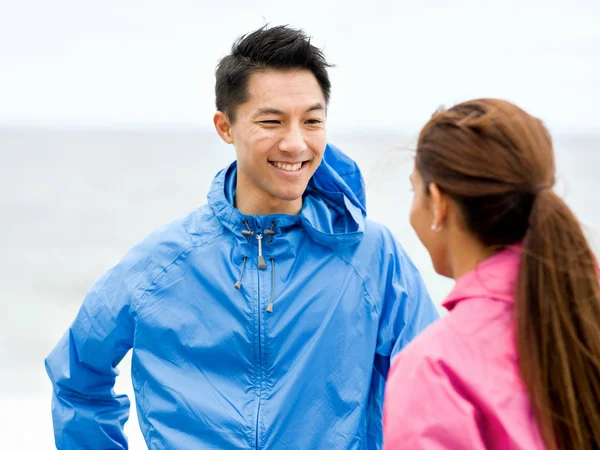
<point x="478" y="168"/>
<point x="484" y="172"/>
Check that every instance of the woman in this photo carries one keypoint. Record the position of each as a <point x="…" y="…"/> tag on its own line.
<point x="516" y="362"/>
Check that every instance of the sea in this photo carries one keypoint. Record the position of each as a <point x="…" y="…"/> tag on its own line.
<point x="74" y="200"/>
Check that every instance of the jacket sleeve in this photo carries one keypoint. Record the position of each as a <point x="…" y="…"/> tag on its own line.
<point x="82" y="367"/>
<point x="406" y="307"/>
<point x="425" y="408"/>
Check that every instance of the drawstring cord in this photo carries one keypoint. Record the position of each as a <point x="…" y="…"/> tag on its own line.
<point x="271" y="232"/>
<point x="270" y="305"/>
<point x="238" y="284"/>
<point x="247" y="233"/>
<point x="262" y="265"/>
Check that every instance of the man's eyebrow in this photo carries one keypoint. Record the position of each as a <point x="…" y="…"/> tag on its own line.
<point x="268" y="110"/>
<point x="265" y="110"/>
<point x="316" y="107"/>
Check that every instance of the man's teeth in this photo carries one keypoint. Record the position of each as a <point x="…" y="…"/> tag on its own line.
<point x="288" y="167"/>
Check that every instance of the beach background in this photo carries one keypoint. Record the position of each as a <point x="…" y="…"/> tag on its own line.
<point x="105" y="134"/>
<point x="74" y="201"/>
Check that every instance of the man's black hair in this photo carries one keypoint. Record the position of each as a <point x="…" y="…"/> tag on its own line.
<point x="277" y="48"/>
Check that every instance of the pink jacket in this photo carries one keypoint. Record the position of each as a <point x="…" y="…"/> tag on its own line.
<point x="457" y="385"/>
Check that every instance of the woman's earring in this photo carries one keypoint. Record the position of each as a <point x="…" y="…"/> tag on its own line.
<point x="434" y="227"/>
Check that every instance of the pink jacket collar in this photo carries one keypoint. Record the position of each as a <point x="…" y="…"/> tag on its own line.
<point x="495" y="278"/>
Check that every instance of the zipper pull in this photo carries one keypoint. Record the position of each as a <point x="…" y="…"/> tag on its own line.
<point x="262" y="265"/>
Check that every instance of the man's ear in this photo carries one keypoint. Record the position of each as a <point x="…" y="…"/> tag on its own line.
<point x="223" y="127"/>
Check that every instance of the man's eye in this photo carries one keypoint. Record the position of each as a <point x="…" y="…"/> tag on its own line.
<point x="313" y="121"/>
<point x="270" y="122"/>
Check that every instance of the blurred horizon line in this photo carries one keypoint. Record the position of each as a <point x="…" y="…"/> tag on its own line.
<point x="134" y="127"/>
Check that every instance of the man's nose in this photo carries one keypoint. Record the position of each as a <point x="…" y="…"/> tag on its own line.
<point x="293" y="141"/>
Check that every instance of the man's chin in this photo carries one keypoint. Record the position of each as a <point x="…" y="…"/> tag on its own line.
<point x="291" y="195"/>
<point x="288" y="197"/>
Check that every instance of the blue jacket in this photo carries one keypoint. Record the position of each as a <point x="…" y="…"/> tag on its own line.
<point x="247" y="332"/>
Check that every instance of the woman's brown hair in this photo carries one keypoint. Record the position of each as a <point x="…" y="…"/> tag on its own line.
<point x="497" y="162"/>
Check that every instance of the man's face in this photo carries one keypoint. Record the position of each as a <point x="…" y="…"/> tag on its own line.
<point x="279" y="137"/>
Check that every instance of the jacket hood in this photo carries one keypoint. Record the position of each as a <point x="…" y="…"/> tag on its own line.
<point x="334" y="207"/>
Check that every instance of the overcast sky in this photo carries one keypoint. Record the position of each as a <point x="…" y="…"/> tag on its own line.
<point x="148" y="62"/>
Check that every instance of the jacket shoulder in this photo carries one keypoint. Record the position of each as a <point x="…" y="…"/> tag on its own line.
<point x="378" y="259"/>
<point x="376" y="232"/>
<point x="379" y="250"/>
<point x="150" y="261"/>
<point x="169" y="241"/>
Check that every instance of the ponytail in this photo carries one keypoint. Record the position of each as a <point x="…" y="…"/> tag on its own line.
<point x="558" y="326"/>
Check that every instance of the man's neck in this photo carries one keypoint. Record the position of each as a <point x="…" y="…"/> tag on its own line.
<point x="262" y="204"/>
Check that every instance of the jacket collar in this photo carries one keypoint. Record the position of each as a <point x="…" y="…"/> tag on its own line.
<point x="495" y="278"/>
<point x="331" y="218"/>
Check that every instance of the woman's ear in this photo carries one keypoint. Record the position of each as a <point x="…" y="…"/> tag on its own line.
<point x="439" y="207"/>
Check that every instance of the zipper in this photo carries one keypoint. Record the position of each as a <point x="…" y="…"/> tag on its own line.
<point x="259" y="385"/>
<point x="261" y="266"/>
<point x="248" y="233"/>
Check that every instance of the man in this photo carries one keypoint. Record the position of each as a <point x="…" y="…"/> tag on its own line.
<point x="265" y="319"/>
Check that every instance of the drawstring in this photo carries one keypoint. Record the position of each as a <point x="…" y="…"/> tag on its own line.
<point x="271" y="232"/>
<point x="238" y="284"/>
<point x="270" y="305"/>
<point x="247" y="233"/>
